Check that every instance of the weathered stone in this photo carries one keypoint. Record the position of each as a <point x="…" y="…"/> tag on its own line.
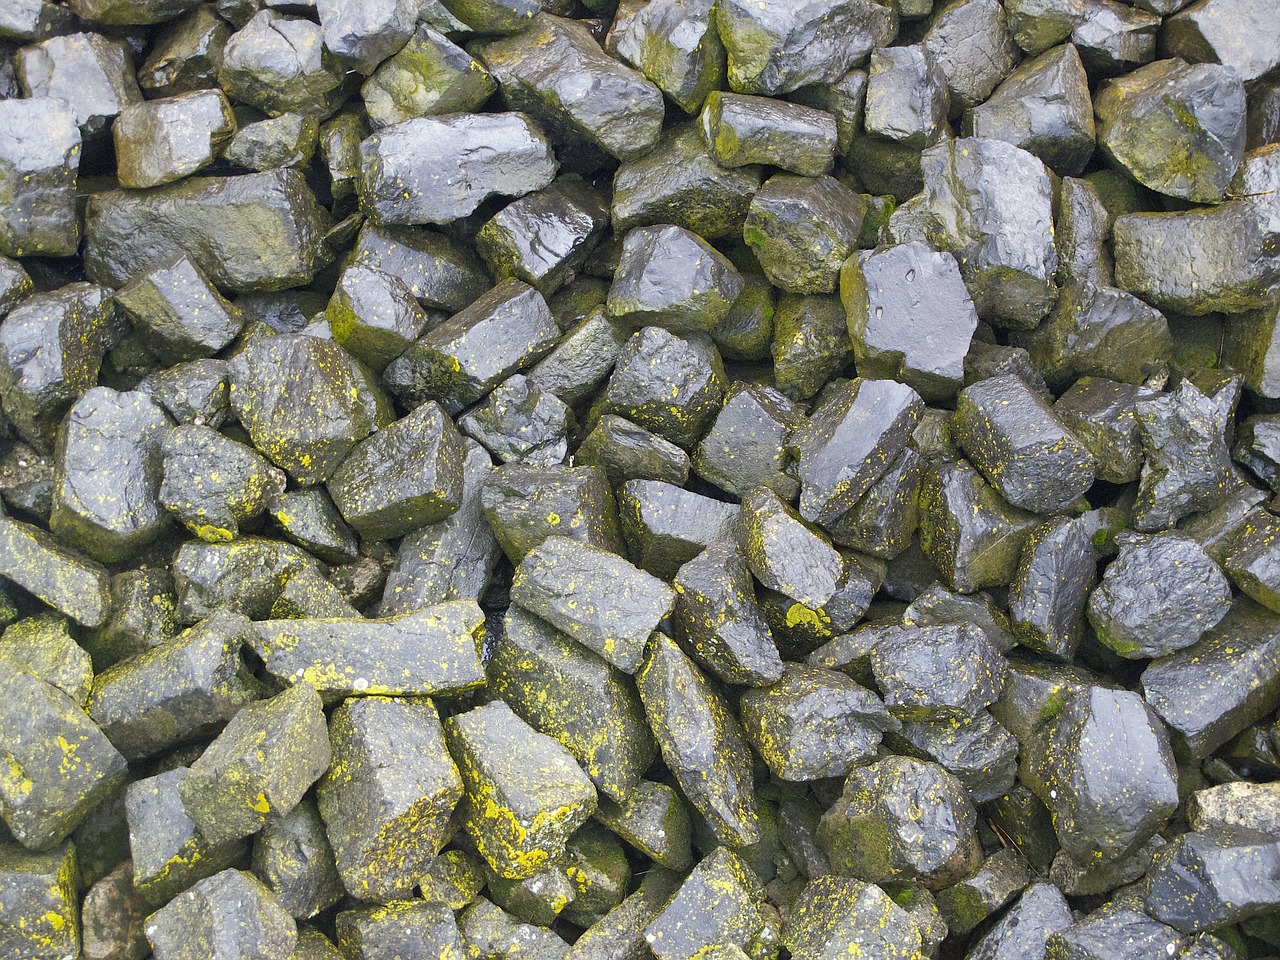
<point x="802" y="229"/>
<point x="39" y="168"/>
<point x="741" y="131"/>
<point x="42" y="917"/>
<point x="186" y="54"/>
<point x="671" y="278"/>
<point x="280" y="64"/>
<point x="907" y="96"/>
<point x="676" y="45"/>
<point x="90" y="72"/>
<point x="428" y="76"/>
<point x="438" y="272"/>
<point x="228" y="915"/>
<point x="1048" y="594"/>
<point x="367" y="33"/>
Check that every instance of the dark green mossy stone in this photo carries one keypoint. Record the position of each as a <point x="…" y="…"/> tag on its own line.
<point x="387" y="797"/>
<point x="666" y="526"/>
<point x="524" y="505"/>
<point x="39" y="178"/>
<point x="428" y="76"/>
<point x="373" y="315"/>
<point x="746" y="444"/>
<point x="213" y="484"/>
<point x="839" y="916"/>
<point x="672" y="278"/>
<point x="43" y="645"/>
<point x="742" y="131"/>
<point x="802" y="229"/>
<point x="656" y="42"/>
<point x="524" y="795"/>
<point x="653" y="819"/>
<point x="292" y="856"/>
<point x="567" y="692"/>
<point x="160" y="141"/>
<point x="629" y="452"/>
<point x="183" y="690"/>
<point x="945" y="672"/>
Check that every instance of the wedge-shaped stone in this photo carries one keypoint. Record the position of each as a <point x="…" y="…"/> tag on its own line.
<point x="524" y="795"/>
<point x="718" y="905"/>
<point x="431" y="651"/>
<point x="66" y="581"/>
<point x="226" y="916"/>
<point x="389" y="793"/>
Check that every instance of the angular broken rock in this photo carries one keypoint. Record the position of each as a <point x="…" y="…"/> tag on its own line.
<point x="434" y="170"/>
<point x="39" y="169"/>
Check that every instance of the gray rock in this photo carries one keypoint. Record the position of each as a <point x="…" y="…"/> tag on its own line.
<point x="741" y="131"/>
<point x="907" y="96"/>
<point x="669" y="277"/>
<point x="675" y="44"/>
<point x="39" y="168"/>
<point x="970" y="39"/>
<point x="428" y="76"/>
<point x="159" y="141"/>
<point x="364" y="34"/>
<point x="802" y="229"/>
<point x="1232" y="34"/>
<point x="280" y="64"/>
<point x="91" y="73"/>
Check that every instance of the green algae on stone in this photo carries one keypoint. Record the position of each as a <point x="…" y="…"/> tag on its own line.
<point x="223" y="917"/>
<point x="55" y="763"/>
<point x="259" y="766"/>
<point x="814" y="723"/>
<point x="902" y="820"/>
<point x="160" y="141"/>
<point x="39" y="169"/>
<point x="42" y="916"/>
<point x="619" y="935"/>
<point x="280" y="64"/>
<point x="43" y="645"/>
<point x="388" y="795"/>
<point x="582" y="359"/>
<point x="410" y="928"/>
<point x="742" y="131"/>
<point x="178" y="310"/>
<point x="373" y="315"/>
<point x="454" y="878"/>
<point x="490" y="931"/>
<point x="304" y="402"/>
<point x="521" y="422"/>
<point x="626" y="452"/>
<point x="460" y="361"/>
<point x="168" y="852"/>
<point x="836" y="917"/>
<point x="288" y="140"/>
<point x="597" y="598"/>
<point x="784" y="553"/>
<point x="66" y="581"/>
<point x="428" y="76"/>
<point x="1100" y="414"/>
<point x="720" y="903"/>
<point x="186" y="54"/>
<point x="430" y="651"/>
<point x="1203" y="881"/>
<point x="260" y="231"/>
<point x="213" y="484"/>
<point x="565" y="691"/>
<point x="524" y="505"/>
<point x="186" y="689"/>
<point x="701" y="742"/>
<point x="655" y="39"/>
<point x="292" y="856"/>
<point x="802" y="229"/>
<point x="405" y="476"/>
<point x="524" y="795"/>
<point x="112" y="918"/>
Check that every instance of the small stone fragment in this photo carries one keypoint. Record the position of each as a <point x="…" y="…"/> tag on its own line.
<point x="288" y="140"/>
<point x="159" y="141"/>
<point x="523" y="793"/>
<point x="671" y="278"/>
<point x="746" y="445"/>
<point x="186" y="54"/>
<point x="428" y="76"/>
<point x="654" y="820"/>
<point x="1022" y="932"/>
<point x="213" y="484"/>
<point x="802" y="229"/>
<point x="365" y="34"/>
<point x="907" y="96"/>
<point x="783" y="553"/>
<point x="43" y="645"/>
<point x="921" y="820"/>
<point x="741" y="131"/>
<point x="665" y="526"/>
<point x="719" y="903"/>
<point x="938" y="673"/>
<point x="1201" y="881"/>
<point x="440" y="273"/>
<point x="1048" y="594"/>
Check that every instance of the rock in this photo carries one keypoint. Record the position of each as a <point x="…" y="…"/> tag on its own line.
<point x="814" y="723"/>
<point x="1048" y="594"/>
<point x="435" y="161"/>
<point x="981" y="753"/>
<point x="112" y="918"/>
<point x="1187" y="463"/>
<point x="920" y="816"/>
<point x="219" y="222"/>
<point x="46" y="792"/>
<point x="1140" y="608"/>
<point x="439" y="273"/>
<point x="720" y="903"/>
<point x="702" y="743"/>
<point x="1202" y="881"/>
<point x="1043" y="106"/>
<point x="972" y="44"/>
<point x="1022" y="932"/>
<point x="464" y="358"/>
<point x="66" y="581"/>
<point x="667" y="384"/>
<point x="1010" y="434"/>
<point x="886" y="294"/>
<point x="179" y="312"/>
<point x="654" y="820"/>
<point x="779" y="48"/>
<point x="680" y="183"/>
<point x="1118" y="929"/>
<point x="109" y="467"/>
<point x="596" y="598"/>
<point x="989" y="203"/>
<point x="429" y="651"/>
<point x="523" y="793"/>
<point x="521" y="422"/>
<point x="745" y="447"/>
<point x="51" y="350"/>
<point x="676" y="45"/>
<point x="387" y="798"/>
<point x="938" y="673"/>
<point x="964" y="905"/>
<point x="907" y="96"/>
<point x="493" y="16"/>
<point x="545" y="237"/>
<point x="292" y="856"/>
<point x="741" y="131"/>
<point x="810" y="343"/>
<point x="1114" y="37"/>
<point x="671" y="278"/>
<point x="38" y="176"/>
<point x="850" y="443"/>
<point x="628" y="452"/>
<point x="183" y="690"/>
<point x="230" y="914"/>
<point x="288" y="140"/>
<point x="844" y="99"/>
<point x="524" y="505"/>
<point x="1104" y="768"/>
<point x="186" y="54"/>
<point x="556" y="71"/>
<point x="1214" y="689"/>
<point x="366" y="34"/>
<point x="304" y="403"/>
<point x="1219" y="258"/>
<point x="280" y="64"/>
<point x="783" y="553"/>
<point x="1215" y="33"/>
<point x="836" y="915"/>
<point x="802" y="229"/>
<point x="42" y="918"/>
<point x="1157" y="124"/>
<point x="666" y="527"/>
<point x="428" y="76"/>
<point x="1037" y="25"/>
<point x="160" y="141"/>
<point x="1081" y="227"/>
<point x="542" y="674"/>
<point x="42" y="645"/>
<point x="1094" y="877"/>
<point x="91" y="73"/>
<point x="195" y="392"/>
